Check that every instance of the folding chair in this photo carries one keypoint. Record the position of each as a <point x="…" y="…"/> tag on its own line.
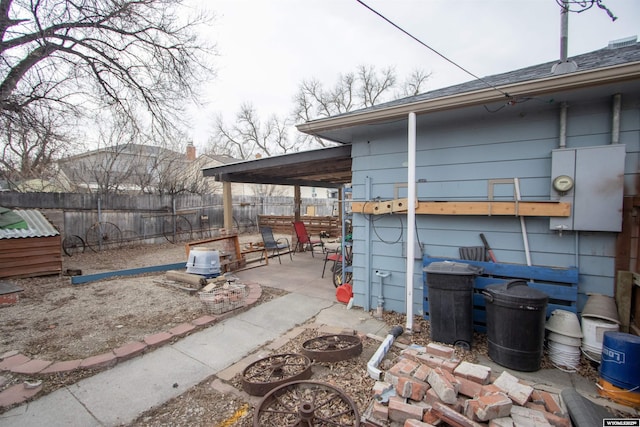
<point x="334" y="256"/>
<point x="270" y="243"/>
<point x="304" y="240"/>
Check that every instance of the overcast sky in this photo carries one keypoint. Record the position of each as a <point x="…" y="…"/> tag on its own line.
<point x="267" y="47"/>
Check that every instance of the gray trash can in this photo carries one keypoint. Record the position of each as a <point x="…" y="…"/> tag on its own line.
<point x="449" y="290"/>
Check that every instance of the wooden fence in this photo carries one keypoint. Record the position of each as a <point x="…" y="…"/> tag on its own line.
<point x="146" y="217"/>
<point x="314" y="224"/>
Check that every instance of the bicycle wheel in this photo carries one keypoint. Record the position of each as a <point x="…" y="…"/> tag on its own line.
<point x="177" y="229"/>
<point x="337" y="276"/>
<point x="73" y="245"/>
<point x="103" y="236"/>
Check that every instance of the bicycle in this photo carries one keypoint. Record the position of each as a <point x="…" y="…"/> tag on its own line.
<point x="341" y="277"/>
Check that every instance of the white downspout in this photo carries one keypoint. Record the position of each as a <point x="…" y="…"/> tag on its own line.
<point x="411" y="217"/>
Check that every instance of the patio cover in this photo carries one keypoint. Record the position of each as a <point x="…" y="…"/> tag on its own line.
<point x="326" y="167"/>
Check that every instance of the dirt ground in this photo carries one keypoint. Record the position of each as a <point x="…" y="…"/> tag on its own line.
<point x="57" y="321"/>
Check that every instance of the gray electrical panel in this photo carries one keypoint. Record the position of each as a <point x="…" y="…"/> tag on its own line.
<point x="598" y="187"/>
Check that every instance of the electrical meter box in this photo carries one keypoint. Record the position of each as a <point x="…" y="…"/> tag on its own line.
<point x="592" y="180"/>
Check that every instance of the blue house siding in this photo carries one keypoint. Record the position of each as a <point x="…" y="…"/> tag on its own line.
<point x="455" y="161"/>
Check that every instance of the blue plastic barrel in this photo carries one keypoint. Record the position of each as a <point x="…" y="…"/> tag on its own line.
<point x="620" y="363"/>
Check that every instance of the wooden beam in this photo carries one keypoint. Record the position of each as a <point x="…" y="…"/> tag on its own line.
<point x="486" y="208"/>
<point x="227" y="206"/>
<point x="623" y="293"/>
<point x="77" y="280"/>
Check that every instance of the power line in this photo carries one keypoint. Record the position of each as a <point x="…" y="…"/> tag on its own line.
<point x="432" y="49"/>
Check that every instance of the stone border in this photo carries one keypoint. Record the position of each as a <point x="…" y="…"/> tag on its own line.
<point x="14" y="361"/>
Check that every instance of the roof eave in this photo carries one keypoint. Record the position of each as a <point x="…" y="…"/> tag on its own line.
<point x="571" y="81"/>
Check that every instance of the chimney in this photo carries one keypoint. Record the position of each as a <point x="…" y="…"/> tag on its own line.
<point x="191" y="152"/>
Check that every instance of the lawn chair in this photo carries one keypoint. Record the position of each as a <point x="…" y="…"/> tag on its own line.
<point x="270" y="243"/>
<point x="334" y="256"/>
<point x="304" y="240"/>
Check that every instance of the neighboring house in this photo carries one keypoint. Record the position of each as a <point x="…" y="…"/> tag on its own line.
<point x="135" y="168"/>
<point x="471" y="141"/>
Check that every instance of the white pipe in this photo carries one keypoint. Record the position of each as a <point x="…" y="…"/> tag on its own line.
<point x="372" y="365"/>
<point x="411" y="216"/>
<point x="523" y="226"/>
<point x="615" y="119"/>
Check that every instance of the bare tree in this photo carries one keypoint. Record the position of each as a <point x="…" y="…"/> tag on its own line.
<point x="364" y="88"/>
<point x="31" y="140"/>
<point x="414" y="83"/>
<point x="248" y="136"/>
<point x="136" y="58"/>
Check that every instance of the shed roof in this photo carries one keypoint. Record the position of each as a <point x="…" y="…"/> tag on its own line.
<point x="37" y="226"/>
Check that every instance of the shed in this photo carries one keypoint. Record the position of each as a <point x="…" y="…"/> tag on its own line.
<point x="29" y="244"/>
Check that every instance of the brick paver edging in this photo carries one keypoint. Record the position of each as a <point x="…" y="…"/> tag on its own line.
<point x="15" y="362"/>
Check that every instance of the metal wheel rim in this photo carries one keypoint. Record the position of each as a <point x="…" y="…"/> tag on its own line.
<point x="103" y="235"/>
<point x="73" y="244"/>
<point x="332" y="348"/>
<point x="265" y="374"/>
<point x="337" y="276"/>
<point x="177" y="229"/>
<point x="306" y="403"/>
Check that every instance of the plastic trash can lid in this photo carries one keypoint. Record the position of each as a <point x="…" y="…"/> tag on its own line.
<point x="455" y="268"/>
<point x="515" y="290"/>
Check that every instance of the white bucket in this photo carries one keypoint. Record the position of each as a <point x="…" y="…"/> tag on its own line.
<point x="563" y="339"/>
<point x="593" y="330"/>
<point x="564" y="356"/>
<point x="565" y="323"/>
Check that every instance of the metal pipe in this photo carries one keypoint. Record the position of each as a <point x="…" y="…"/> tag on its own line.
<point x="523" y="226"/>
<point x="615" y="119"/>
<point x="563" y="125"/>
<point x="564" y="31"/>
<point x="380" y="307"/>
<point x="411" y="216"/>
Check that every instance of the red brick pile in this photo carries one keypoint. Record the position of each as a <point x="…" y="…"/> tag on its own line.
<point x="429" y="386"/>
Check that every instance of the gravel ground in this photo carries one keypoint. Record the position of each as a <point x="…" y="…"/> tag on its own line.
<point x="57" y="321"/>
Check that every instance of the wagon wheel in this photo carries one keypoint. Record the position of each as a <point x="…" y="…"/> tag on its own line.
<point x="337" y="276"/>
<point x="177" y="229"/>
<point x="306" y="403"/>
<point x="266" y="374"/>
<point x="332" y="348"/>
<point x="130" y="238"/>
<point x="73" y="245"/>
<point x="102" y="236"/>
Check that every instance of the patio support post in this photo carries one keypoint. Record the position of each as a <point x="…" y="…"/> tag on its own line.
<point x="297" y="203"/>
<point x="227" y="206"/>
<point x="411" y="216"/>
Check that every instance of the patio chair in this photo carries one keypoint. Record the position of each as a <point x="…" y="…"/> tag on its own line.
<point x="334" y="256"/>
<point x="273" y="244"/>
<point x="304" y="240"/>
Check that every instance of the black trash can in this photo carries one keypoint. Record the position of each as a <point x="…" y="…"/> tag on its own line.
<point x="450" y="290"/>
<point x="516" y="317"/>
